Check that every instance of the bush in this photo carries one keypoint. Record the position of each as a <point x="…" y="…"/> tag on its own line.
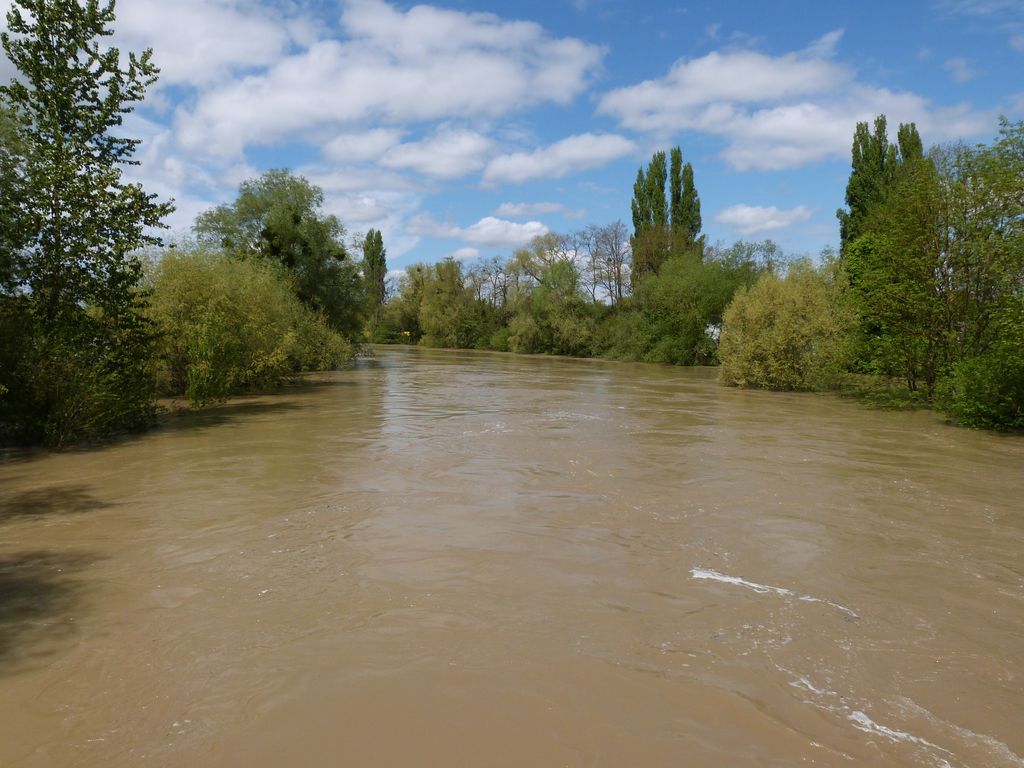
<point x="987" y="390"/>
<point x="234" y="325"/>
<point x="86" y="377"/>
<point x="789" y="333"/>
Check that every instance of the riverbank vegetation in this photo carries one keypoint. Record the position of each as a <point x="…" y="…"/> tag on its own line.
<point x="924" y="301"/>
<point x="90" y="336"/>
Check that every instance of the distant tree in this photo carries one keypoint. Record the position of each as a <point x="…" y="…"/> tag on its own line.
<point x="663" y="228"/>
<point x="606" y="269"/>
<point x="651" y="237"/>
<point x="279" y="217"/>
<point x="685" y="208"/>
<point x="79" y="347"/>
<point x="375" y="270"/>
<point x="690" y="223"/>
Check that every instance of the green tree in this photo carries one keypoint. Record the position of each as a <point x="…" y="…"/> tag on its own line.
<point x="279" y="217"/>
<point x="375" y="270"/>
<point x="685" y="206"/>
<point x="690" y="222"/>
<point x="79" y="347"/>
<point x="448" y="314"/>
<point x="651" y="237"/>
<point x="231" y="325"/>
<point x="875" y="163"/>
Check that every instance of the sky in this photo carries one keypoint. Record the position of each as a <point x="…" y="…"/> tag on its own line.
<point x="465" y="129"/>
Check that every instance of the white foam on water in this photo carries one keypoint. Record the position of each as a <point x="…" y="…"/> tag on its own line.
<point x="833" y="702"/>
<point x="972" y="737"/>
<point x="865" y="723"/>
<point x="764" y="589"/>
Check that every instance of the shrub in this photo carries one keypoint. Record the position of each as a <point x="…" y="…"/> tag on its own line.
<point x="233" y="325"/>
<point x="787" y="333"/>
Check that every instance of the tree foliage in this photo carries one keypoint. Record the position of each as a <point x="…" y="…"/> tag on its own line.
<point x="233" y="325"/>
<point x="278" y="217"/>
<point x="664" y="227"/>
<point x="78" y="348"/>
<point x="375" y="270"/>
<point x="875" y="163"/>
<point x="788" y="333"/>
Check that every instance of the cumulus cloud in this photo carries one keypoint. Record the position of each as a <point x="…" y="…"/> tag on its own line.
<point x="393" y="67"/>
<point x="752" y="219"/>
<point x="361" y="147"/>
<point x="525" y="210"/>
<point x="447" y="154"/>
<point x="777" y="112"/>
<point x="959" y="69"/>
<point x="488" y="231"/>
<point x="197" y="42"/>
<point x="571" y="155"/>
<point x="699" y="91"/>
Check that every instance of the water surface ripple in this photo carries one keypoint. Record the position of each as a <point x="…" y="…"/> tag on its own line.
<point x="446" y="558"/>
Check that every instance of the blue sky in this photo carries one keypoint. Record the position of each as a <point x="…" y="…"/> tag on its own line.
<point x="466" y="128"/>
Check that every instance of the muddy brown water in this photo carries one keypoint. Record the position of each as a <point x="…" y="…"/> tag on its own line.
<point x="460" y="559"/>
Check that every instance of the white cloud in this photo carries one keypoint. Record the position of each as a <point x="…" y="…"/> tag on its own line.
<point x="696" y="92"/>
<point x="825" y="46"/>
<point x="448" y="154"/>
<point x="525" y="210"/>
<point x="361" y="147"/>
<point x="959" y="69"/>
<point x="777" y="112"/>
<point x="197" y="42"/>
<point x="394" y="67"/>
<point x="463" y="254"/>
<point x="1017" y="43"/>
<point x="489" y="231"/>
<point x="571" y="155"/>
<point x="752" y="219"/>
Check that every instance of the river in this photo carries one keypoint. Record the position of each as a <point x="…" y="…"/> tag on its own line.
<point x="472" y="559"/>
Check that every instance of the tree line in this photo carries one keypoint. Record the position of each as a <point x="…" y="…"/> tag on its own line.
<point x="923" y="303"/>
<point x="924" y="299"/>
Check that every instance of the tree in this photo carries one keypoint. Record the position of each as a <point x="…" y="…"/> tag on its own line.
<point x="279" y="217"/>
<point x="651" y="238"/>
<point x="375" y="270"/>
<point x="80" y="346"/>
<point x="875" y="163"/>
<point x="690" y="223"/>
<point x="607" y="261"/>
<point x="663" y="228"/>
<point x="685" y="208"/>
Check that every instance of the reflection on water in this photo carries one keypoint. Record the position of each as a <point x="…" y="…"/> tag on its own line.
<point x="449" y="558"/>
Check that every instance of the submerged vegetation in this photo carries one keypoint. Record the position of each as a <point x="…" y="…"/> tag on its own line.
<point x="98" y="319"/>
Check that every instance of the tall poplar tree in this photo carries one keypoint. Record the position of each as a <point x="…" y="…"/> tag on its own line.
<point x="82" y="348"/>
<point x="375" y="269"/>
<point x="875" y="163"/>
<point x="662" y="228"/>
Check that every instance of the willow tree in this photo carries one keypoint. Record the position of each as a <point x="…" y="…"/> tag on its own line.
<point x="81" y="348"/>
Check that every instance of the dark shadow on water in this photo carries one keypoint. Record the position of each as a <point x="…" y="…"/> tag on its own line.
<point x="39" y="592"/>
<point x="219" y="415"/>
<point x="40" y="502"/>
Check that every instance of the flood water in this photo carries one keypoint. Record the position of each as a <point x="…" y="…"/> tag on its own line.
<point x="470" y="559"/>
